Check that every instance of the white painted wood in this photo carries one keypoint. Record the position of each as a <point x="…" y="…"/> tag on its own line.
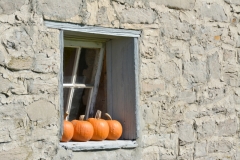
<point x="96" y="75"/>
<point x="99" y="145"/>
<point x="92" y="29"/>
<point x="74" y="76"/>
<point x="122" y="84"/>
<point x="68" y="85"/>
<point x="96" y="81"/>
<point x="82" y="44"/>
<point x="75" y="66"/>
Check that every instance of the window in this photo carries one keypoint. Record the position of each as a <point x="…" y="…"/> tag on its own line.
<point x="96" y="58"/>
<point x="82" y="65"/>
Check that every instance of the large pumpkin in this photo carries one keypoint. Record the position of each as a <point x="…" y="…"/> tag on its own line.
<point x="115" y="128"/>
<point x="83" y="130"/>
<point x="67" y="131"/>
<point x="100" y="126"/>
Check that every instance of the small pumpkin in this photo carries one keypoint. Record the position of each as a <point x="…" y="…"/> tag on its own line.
<point x="115" y="128"/>
<point x="67" y="131"/>
<point x="83" y="130"/>
<point x="100" y="126"/>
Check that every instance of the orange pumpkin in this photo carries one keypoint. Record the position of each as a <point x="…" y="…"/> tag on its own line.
<point x="83" y="130"/>
<point x="115" y="128"/>
<point x="100" y="126"/>
<point x="67" y="131"/>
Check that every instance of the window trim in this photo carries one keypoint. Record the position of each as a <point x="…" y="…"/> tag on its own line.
<point x="92" y="29"/>
<point x="103" y="33"/>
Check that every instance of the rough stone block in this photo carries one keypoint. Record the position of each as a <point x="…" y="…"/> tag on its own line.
<point x="46" y="8"/>
<point x="200" y="149"/>
<point x="236" y="9"/>
<point x="207" y="129"/>
<point x="3" y="55"/>
<point x="230" y="73"/>
<point x="197" y="49"/>
<point x="187" y="96"/>
<point x="195" y="71"/>
<point x="214" y="66"/>
<point x="179" y="49"/>
<point x="41" y="110"/>
<point x="45" y="64"/>
<point x="170" y="71"/>
<point x="233" y="2"/>
<point x="102" y="17"/>
<point x="186" y="132"/>
<point x="38" y="85"/>
<point x="153" y="86"/>
<point x="20" y="63"/>
<point x="5" y="85"/>
<point x="5" y="137"/>
<point x="186" y="151"/>
<point x="151" y="153"/>
<point x="20" y="88"/>
<point x="174" y="29"/>
<point x="176" y="4"/>
<point x="17" y="42"/>
<point x="230" y="56"/>
<point x="150" y="69"/>
<point x="136" y="15"/>
<point x="224" y="146"/>
<point x="214" y="11"/>
<point x="221" y="145"/>
<point x="169" y="141"/>
<point x="9" y="7"/>
<point x="20" y="153"/>
<point x="151" y="49"/>
<point x="151" y="118"/>
<point x="238" y="42"/>
<point x="227" y="127"/>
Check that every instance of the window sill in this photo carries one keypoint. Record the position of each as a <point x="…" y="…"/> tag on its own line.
<point x="99" y="145"/>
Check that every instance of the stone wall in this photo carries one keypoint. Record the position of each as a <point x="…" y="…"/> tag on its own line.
<point x="189" y="76"/>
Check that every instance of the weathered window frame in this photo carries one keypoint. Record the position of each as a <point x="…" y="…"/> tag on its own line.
<point x="103" y="33"/>
<point x="93" y="87"/>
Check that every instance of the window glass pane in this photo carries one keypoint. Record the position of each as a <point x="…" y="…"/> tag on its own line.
<point x="87" y="65"/>
<point x="68" y="63"/>
<point x="79" y="103"/>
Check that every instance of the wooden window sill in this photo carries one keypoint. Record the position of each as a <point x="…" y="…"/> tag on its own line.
<point x="99" y="145"/>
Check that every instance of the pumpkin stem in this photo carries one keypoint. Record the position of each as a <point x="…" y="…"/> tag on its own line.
<point x="98" y="114"/>
<point x="108" y="116"/>
<point x="81" y="118"/>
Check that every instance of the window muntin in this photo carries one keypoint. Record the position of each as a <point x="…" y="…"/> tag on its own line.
<point x="81" y="70"/>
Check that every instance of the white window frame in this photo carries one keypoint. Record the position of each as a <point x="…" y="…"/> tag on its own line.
<point x="103" y="32"/>
<point x="93" y="87"/>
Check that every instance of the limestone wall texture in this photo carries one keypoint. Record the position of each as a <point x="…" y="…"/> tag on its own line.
<point x="189" y="77"/>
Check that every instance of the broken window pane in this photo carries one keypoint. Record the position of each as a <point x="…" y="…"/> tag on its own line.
<point x="87" y="65"/>
<point x="79" y="102"/>
<point x="68" y="63"/>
